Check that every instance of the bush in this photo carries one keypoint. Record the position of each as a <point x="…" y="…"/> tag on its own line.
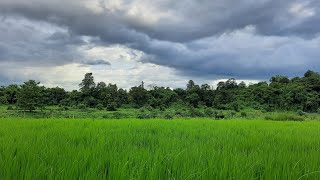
<point x="168" y="116"/>
<point x="195" y="112"/>
<point x="143" y="110"/>
<point x="3" y="100"/>
<point x="219" y="115"/>
<point x="182" y="113"/>
<point x="209" y="112"/>
<point x="82" y="106"/>
<point x="111" y="107"/>
<point x="301" y="113"/>
<point x="118" y="115"/>
<point x="63" y="108"/>
<point x="107" y="116"/>
<point x="232" y="114"/>
<point x="285" y="117"/>
<point x="148" y="108"/>
<point x="269" y="118"/>
<point x="100" y="106"/>
<point x="236" y="106"/>
<point x="144" y="116"/>
<point x="243" y="114"/>
<point x="9" y="108"/>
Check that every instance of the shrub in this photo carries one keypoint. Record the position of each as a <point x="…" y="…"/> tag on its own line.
<point x="269" y="118"/>
<point x="3" y="100"/>
<point x="301" y="113"/>
<point x="285" y="117"/>
<point x="219" y="115"/>
<point x="235" y="106"/>
<point x="107" y="116"/>
<point x="118" y="115"/>
<point x="182" y="113"/>
<point x="63" y="108"/>
<point x="209" y="112"/>
<point x="195" y="112"/>
<point x="147" y="107"/>
<point x="232" y="114"/>
<point x="243" y="114"/>
<point x="144" y="116"/>
<point x="111" y="107"/>
<point x="9" y="108"/>
<point x="82" y="106"/>
<point x="100" y="106"/>
<point x="162" y="108"/>
<point x="143" y="110"/>
<point x="168" y="116"/>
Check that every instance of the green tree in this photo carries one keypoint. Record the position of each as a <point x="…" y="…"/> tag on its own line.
<point x="30" y="96"/>
<point x="87" y="83"/>
<point x="193" y="99"/>
<point x="190" y="85"/>
<point x="11" y="92"/>
<point x="139" y="96"/>
<point x="54" y="96"/>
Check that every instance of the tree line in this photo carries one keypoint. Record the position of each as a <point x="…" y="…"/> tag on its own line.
<point x="280" y="93"/>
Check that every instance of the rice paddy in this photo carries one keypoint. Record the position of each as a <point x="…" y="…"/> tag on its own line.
<point x="158" y="149"/>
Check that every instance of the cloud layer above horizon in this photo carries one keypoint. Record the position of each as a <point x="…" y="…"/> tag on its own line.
<point x="162" y="42"/>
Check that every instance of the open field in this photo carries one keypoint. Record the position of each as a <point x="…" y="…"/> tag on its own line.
<point x="158" y="149"/>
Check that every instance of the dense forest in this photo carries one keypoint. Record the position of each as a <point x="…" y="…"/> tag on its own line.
<point x="281" y="93"/>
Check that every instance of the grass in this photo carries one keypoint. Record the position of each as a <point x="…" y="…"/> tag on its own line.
<point x="158" y="149"/>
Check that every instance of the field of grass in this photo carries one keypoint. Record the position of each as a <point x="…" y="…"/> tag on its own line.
<point x="158" y="149"/>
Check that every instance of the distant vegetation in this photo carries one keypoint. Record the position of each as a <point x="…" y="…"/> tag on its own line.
<point x="299" y="94"/>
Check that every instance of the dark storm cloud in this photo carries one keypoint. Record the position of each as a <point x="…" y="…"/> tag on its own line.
<point x="188" y="20"/>
<point x="27" y="42"/>
<point x="199" y="38"/>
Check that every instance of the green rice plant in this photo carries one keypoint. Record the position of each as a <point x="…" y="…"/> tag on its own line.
<point x="158" y="149"/>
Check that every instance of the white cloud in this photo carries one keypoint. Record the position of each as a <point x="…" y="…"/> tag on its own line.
<point x="302" y="9"/>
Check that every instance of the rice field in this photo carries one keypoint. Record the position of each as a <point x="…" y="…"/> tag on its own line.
<point x="158" y="149"/>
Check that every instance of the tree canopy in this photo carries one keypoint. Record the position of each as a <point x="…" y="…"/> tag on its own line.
<point x="281" y="93"/>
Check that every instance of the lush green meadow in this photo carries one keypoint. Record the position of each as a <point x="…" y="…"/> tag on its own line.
<point x="158" y="149"/>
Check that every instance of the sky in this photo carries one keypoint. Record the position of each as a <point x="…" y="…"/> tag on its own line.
<point x="160" y="42"/>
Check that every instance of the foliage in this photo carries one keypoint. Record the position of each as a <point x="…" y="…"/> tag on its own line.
<point x="298" y="94"/>
<point x="244" y="114"/>
<point x="82" y="106"/>
<point x="100" y="106"/>
<point x="111" y="107"/>
<point x="301" y="113"/>
<point x="285" y="117"/>
<point x="10" y="108"/>
<point x="30" y="96"/>
<point x="87" y="83"/>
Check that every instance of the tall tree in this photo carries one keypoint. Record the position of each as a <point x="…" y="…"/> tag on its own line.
<point x="190" y="85"/>
<point x="139" y="96"/>
<point x="87" y="83"/>
<point x="30" y="96"/>
<point x="11" y="93"/>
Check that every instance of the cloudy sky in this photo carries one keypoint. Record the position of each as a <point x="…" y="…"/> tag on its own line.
<point x="162" y="42"/>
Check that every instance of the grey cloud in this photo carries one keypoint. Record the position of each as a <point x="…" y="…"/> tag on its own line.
<point x="187" y="20"/>
<point x="97" y="62"/>
<point x="200" y="38"/>
<point x="28" y="42"/>
<point x="242" y="54"/>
